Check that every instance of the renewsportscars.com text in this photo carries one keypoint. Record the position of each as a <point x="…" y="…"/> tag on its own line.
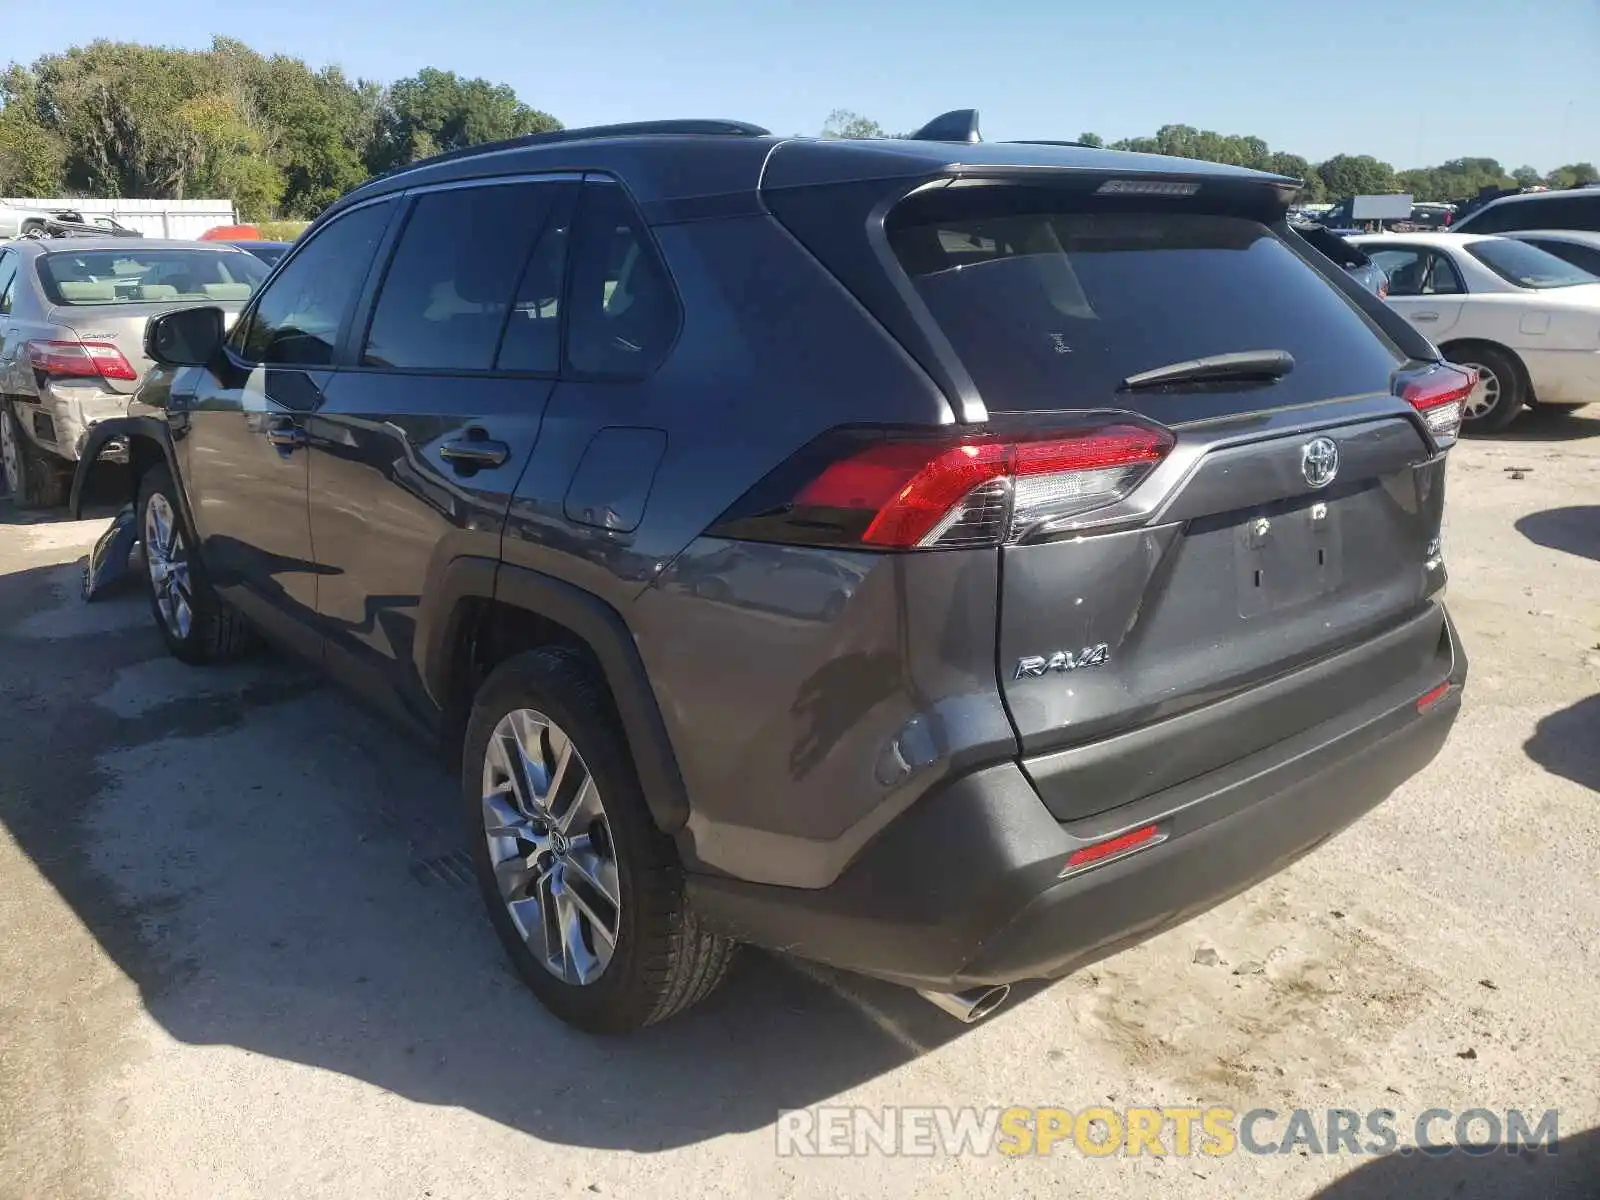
<point x="1215" y="1131"/>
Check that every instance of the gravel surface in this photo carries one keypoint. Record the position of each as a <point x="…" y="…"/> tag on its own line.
<point x="239" y="955"/>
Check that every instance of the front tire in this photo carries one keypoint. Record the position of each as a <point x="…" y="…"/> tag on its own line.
<point x="198" y="626"/>
<point x="586" y="894"/>
<point x="33" y="477"/>
<point x="1499" y="397"/>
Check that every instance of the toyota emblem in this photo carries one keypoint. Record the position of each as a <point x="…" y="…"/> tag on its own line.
<point x="1319" y="461"/>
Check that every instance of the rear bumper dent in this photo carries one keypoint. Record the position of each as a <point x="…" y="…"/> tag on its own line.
<point x="965" y="890"/>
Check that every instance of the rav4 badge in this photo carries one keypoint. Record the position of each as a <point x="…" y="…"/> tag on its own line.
<point x="1034" y="665"/>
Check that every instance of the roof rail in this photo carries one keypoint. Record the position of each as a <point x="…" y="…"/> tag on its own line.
<point x="1049" y="142"/>
<point x="687" y="127"/>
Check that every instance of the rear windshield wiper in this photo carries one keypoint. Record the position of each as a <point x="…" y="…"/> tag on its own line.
<point x="1243" y="366"/>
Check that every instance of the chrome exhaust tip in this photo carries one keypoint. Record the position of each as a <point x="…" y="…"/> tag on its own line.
<point x="969" y="1006"/>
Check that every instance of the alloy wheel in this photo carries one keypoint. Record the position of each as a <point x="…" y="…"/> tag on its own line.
<point x="1485" y="396"/>
<point x="167" y="559"/>
<point x="550" y="845"/>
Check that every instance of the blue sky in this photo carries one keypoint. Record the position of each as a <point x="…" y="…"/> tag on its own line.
<point x="1412" y="81"/>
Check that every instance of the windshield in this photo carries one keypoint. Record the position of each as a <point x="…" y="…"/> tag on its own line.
<point x="1528" y="266"/>
<point x="135" y="276"/>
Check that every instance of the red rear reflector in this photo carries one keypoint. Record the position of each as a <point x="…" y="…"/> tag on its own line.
<point x="1440" y="395"/>
<point x="1126" y="843"/>
<point x="80" y="360"/>
<point x="1428" y="699"/>
<point x="935" y="493"/>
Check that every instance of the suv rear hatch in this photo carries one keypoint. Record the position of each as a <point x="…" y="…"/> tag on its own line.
<point x="1286" y="537"/>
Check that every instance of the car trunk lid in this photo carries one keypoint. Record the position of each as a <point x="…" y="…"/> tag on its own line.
<point x="1294" y="518"/>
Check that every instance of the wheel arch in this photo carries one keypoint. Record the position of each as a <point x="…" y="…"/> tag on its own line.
<point x="479" y="612"/>
<point x="149" y="445"/>
<point x="1449" y="348"/>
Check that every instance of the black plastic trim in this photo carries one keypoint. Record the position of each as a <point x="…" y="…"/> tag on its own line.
<point x="590" y="618"/>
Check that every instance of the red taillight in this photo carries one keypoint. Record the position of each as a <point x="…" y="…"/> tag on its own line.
<point x="1440" y="395"/>
<point x="1432" y="697"/>
<point x="1117" y="847"/>
<point x="80" y="360"/>
<point x="966" y="490"/>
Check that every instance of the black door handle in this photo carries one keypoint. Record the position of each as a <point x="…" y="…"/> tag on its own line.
<point x="474" y="453"/>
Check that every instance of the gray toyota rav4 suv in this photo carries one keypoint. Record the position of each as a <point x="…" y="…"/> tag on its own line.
<point x="945" y="560"/>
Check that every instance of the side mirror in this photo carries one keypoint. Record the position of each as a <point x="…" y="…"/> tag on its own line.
<point x="190" y="337"/>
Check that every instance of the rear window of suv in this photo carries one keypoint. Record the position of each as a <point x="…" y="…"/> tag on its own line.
<point x="1051" y="308"/>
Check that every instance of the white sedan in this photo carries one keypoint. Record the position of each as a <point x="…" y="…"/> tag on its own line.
<point x="1527" y="320"/>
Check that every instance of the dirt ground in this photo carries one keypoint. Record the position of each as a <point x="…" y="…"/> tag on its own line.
<point x="238" y="956"/>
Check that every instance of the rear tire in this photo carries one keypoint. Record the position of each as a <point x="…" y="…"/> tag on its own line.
<point x="1500" y="394"/>
<point x="34" y="477"/>
<point x="633" y="957"/>
<point x="198" y="626"/>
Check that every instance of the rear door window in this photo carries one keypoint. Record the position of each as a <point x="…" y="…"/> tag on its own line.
<point x="622" y="310"/>
<point x="450" y="285"/>
<point x="8" y="277"/>
<point x="1051" y="308"/>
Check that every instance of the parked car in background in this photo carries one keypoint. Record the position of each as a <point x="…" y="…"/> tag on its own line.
<point x="267" y="252"/>
<point x="1529" y="322"/>
<point x="1569" y="208"/>
<point x="1578" y="247"/>
<point x="72" y="322"/>
<point x="1351" y="257"/>
<point x="1427" y="215"/>
<point x="231" y="233"/>
<point x="1108" y="519"/>
<point x="18" y="221"/>
<point x="69" y="223"/>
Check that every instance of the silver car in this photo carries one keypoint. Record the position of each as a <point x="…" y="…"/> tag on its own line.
<point x="72" y="319"/>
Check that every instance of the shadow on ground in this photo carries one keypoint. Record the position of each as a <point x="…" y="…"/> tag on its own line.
<point x="1553" y="425"/>
<point x="1572" y="1173"/>
<point x="278" y="871"/>
<point x="1567" y="743"/>
<point x="110" y="490"/>
<point x="1575" y="530"/>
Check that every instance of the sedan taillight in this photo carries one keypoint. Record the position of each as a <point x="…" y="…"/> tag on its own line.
<point x="80" y="360"/>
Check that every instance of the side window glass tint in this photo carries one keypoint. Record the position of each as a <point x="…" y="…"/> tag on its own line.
<point x="1586" y="257"/>
<point x="450" y="285"/>
<point x="532" y="339"/>
<point x="1404" y="267"/>
<point x="297" y="319"/>
<point x="622" y="313"/>
<point x="8" y="278"/>
<point x="1445" y="280"/>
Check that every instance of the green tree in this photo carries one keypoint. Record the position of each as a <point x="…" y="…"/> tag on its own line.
<point x="1092" y="139"/>
<point x="1527" y="176"/>
<point x="842" y="123"/>
<point x="1295" y="167"/>
<point x="1572" y="174"/>
<point x="1356" y="175"/>
<point x="435" y="111"/>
